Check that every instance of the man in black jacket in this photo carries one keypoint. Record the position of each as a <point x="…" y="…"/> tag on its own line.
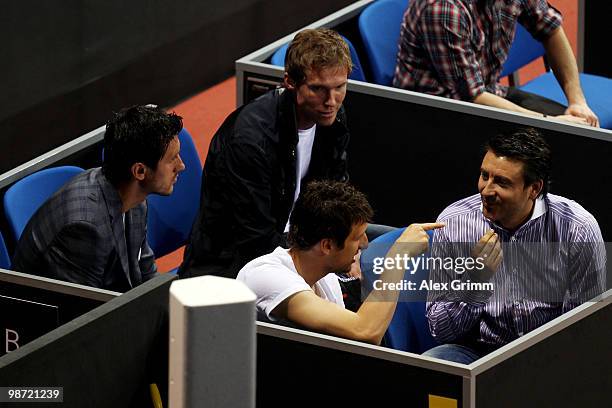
<point x="265" y="151"/>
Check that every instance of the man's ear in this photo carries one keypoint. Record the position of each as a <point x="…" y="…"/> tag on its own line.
<point x="139" y="171"/>
<point x="288" y="82"/>
<point x="535" y="189"/>
<point x="326" y="245"/>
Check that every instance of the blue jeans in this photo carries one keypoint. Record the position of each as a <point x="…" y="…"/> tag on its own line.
<point x="453" y="352"/>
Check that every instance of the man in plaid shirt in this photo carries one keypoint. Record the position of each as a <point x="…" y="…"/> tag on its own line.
<point x="456" y="49"/>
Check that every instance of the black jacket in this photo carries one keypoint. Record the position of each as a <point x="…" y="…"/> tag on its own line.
<point x="249" y="182"/>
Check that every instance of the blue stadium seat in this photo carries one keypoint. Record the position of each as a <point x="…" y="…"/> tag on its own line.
<point x="278" y="59"/>
<point x="379" y="25"/>
<point x="24" y="197"/>
<point x="5" y="260"/>
<point x="408" y="330"/>
<point x="597" y="89"/>
<point x="169" y="219"/>
<point x="524" y="50"/>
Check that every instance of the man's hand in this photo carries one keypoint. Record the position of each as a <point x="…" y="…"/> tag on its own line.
<point x="563" y="64"/>
<point x="582" y="110"/>
<point x="571" y="119"/>
<point x="355" y="271"/>
<point x="416" y="234"/>
<point x="489" y="249"/>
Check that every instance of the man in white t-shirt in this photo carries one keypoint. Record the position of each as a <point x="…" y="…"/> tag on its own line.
<point x="298" y="285"/>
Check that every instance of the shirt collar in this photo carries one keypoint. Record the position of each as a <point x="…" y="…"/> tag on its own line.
<point x="539" y="209"/>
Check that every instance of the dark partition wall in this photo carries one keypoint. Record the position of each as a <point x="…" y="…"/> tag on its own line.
<point x="322" y="376"/>
<point x="413" y="160"/>
<point x="105" y="358"/>
<point x="31" y="306"/>
<point x="29" y="312"/>
<point x="574" y="360"/>
<point x="597" y="34"/>
<point x="68" y="63"/>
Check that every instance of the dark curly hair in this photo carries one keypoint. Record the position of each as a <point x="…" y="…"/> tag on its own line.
<point x="327" y="209"/>
<point x="527" y="146"/>
<point x="137" y="134"/>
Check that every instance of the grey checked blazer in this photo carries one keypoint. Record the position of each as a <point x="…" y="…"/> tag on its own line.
<point x="78" y="235"/>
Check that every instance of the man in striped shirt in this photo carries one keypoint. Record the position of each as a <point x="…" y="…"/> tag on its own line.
<point x="542" y="253"/>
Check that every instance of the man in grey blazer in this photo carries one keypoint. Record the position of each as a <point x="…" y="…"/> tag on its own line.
<point x="93" y="230"/>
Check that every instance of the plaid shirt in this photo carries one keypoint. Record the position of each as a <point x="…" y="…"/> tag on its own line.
<point x="456" y="48"/>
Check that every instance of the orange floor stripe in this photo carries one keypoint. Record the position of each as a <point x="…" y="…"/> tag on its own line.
<point x="202" y="116"/>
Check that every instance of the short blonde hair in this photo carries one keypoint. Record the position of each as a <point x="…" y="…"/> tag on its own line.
<point x="314" y="49"/>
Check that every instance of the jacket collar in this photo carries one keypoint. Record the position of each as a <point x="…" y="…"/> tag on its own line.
<point x="114" y="207"/>
<point x="287" y="117"/>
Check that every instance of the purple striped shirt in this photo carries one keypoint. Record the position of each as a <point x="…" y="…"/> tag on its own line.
<point x="552" y="263"/>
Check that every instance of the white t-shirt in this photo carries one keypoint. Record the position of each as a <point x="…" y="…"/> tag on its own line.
<point x="304" y="152"/>
<point x="273" y="278"/>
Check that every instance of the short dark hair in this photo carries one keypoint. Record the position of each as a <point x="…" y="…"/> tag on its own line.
<point x="137" y="134"/>
<point x="314" y="49"/>
<point x="327" y="209"/>
<point x="527" y="146"/>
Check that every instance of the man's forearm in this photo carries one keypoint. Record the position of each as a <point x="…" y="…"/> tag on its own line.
<point x="563" y="64"/>
<point x="451" y="313"/>
<point x="377" y="310"/>
<point x="489" y="99"/>
<point x="449" y="321"/>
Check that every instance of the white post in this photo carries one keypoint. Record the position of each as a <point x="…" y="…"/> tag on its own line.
<point x="212" y="344"/>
